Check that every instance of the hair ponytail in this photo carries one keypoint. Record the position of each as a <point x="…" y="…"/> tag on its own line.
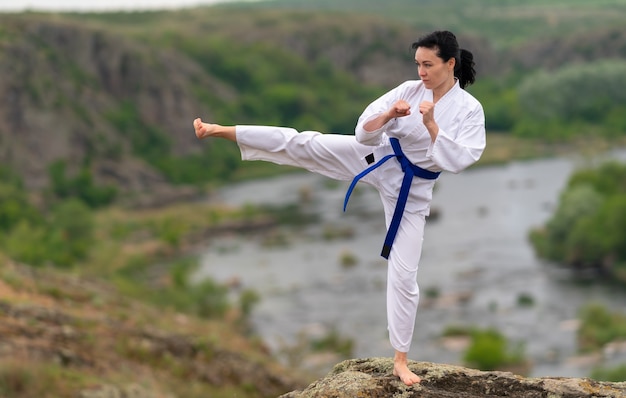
<point x="464" y="71"/>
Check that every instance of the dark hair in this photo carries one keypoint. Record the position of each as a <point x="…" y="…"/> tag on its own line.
<point x="447" y="47"/>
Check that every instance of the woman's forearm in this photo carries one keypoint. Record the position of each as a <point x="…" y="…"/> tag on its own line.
<point x="377" y="122"/>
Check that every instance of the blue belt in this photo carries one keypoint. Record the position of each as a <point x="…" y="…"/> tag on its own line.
<point x="410" y="171"/>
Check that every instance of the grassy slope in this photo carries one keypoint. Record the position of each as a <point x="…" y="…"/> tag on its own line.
<point x="64" y="334"/>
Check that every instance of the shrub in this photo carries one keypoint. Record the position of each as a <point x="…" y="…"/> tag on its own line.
<point x="80" y="186"/>
<point x="615" y="374"/>
<point x="588" y="229"/>
<point x="489" y="350"/>
<point x="347" y="259"/>
<point x="210" y="297"/>
<point x="432" y="292"/>
<point x="456" y="331"/>
<point x="62" y="240"/>
<point x="525" y="300"/>
<point x="70" y="233"/>
<point x="599" y="326"/>
<point x="15" y="208"/>
<point x="247" y="300"/>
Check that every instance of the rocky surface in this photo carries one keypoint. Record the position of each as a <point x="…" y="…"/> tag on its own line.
<point x="373" y="378"/>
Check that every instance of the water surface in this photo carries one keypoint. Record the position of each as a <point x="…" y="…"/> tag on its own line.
<point x="476" y="256"/>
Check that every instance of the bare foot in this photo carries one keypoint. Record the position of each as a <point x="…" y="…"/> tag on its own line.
<point x="401" y="370"/>
<point x="203" y="130"/>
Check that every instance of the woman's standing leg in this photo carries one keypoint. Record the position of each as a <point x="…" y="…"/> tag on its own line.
<point x="403" y="290"/>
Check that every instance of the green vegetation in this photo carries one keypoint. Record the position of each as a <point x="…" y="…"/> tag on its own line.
<point x="599" y="326"/>
<point x="505" y="22"/>
<point x="139" y="254"/>
<point x="80" y="186"/>
<point x="347" y="259"/>
<point x="62" y="237"/>
<point x="206" y="299"/>
<point x="489" y="349"/>
<point x="615" y="374"/>
<point x="331" y="341"/>
<point x="525" y="300"/>
<point x="588" y="229"/>
<point x="15" y="208"/>
<point x="147" y="141"/>
<point x="549" y="105"/>
<point x="278" y="87"/>
<point x="124" y="247"/>
<point x="332" y="232"/>
<point x="566" y="111"/>
<point x="43" y="380"/>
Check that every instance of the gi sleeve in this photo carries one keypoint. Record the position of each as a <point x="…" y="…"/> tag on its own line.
<point x="373" y="110"/>
<point x="455" y="152"/>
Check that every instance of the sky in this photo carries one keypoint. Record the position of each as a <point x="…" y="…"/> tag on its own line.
<point x="99" y="5"/>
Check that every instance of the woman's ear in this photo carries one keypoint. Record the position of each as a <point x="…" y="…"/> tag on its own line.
<point x="451" y="63"/>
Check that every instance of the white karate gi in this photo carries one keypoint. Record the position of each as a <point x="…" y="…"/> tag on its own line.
<point x="460" y="143"/>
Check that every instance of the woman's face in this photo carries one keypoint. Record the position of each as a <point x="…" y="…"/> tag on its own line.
<point x="434" y="72"/>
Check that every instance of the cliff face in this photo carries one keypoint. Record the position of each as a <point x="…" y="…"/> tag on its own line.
<point x="64" y="85"/>
<point x="373" y="378"/>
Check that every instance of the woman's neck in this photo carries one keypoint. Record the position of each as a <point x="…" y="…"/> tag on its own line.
<point x="443" y="89"/>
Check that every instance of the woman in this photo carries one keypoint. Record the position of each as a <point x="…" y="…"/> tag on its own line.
<point x="427" y="125"/>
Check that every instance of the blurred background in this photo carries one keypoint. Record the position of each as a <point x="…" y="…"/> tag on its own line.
<point x="137" y="258"/>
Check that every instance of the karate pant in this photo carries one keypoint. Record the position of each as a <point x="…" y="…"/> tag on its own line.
<point x="341" y="157"/>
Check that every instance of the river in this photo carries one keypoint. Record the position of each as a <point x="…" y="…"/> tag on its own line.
<point x="476" y="257"/>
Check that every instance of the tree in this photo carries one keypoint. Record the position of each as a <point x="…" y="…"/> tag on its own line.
<point x="588" y="229"/>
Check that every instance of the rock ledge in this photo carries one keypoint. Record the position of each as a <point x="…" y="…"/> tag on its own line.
<point x="372" y="377"/>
